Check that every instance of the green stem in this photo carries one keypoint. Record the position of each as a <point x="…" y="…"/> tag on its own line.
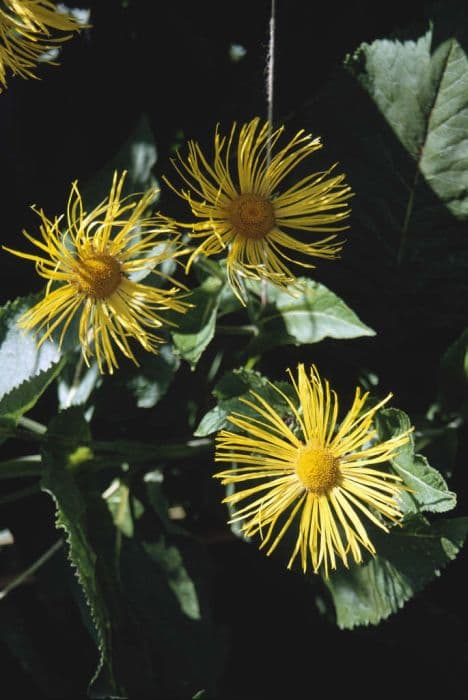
<point x="138" y="452"/>
<point x="32" y="425"/>
<point x="21" y="467"/>
<point x="20" y="493"/>
<point x="114" y="452"/>
<point x="210" y="267"/>
<point x="31" y="569"/>
<point x="248" y="329"/>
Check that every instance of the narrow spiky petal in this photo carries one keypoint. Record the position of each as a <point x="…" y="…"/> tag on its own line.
<point x="239" y="206"/>
<point x="316" y="480"/>
<point x="25" y="35"/>
<point x="89" y="259"/>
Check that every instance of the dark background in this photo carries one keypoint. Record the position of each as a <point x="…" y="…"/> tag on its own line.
<point x="171" y="61"/>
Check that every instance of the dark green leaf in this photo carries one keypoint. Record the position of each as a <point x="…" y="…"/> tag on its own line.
<point x="151" y="380"/>
<point x="407" y="560"/>
<point x="59" y="482"/>
<point x="404" y="149"/>
<point x="420" y="87"/>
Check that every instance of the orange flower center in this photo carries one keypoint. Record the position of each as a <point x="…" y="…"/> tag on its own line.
<point x="98" y="276"/>
<point x="252" y="216"/>
<point x="317" y="469"/>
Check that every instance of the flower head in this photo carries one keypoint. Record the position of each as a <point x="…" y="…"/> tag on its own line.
<point x="89" y="267"/>
<point x="318" y="476"/>
<point x="240" y="208"/>
<point x="25" y="35"/>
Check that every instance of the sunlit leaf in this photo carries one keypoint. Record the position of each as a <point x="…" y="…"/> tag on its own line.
<point x="20" y="359"/>
<point x="429" y="491"/>
<point x="407" y="560"/>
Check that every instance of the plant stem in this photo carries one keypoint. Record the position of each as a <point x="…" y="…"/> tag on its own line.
<point x="23" y="466"/>
<point x="32" y="425"/>
<point x="248" y="329"/>
<point x="20" y="493"/>
<point x="31" y="569"/>
<point x="210" y="267"/>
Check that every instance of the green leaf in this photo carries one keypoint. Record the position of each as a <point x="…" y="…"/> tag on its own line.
<point x="118" y="501"/>
<point x="312" y="315"/>
<point x="75" y="390"/>
<point x="235" y="386"/>
<point x="404" y="150"/>
<point x="22" y="398"/>
<point x="131" y="387"/>
<point x="180" y="583"/>
<point x="72" y="516"/>
<point x="149" y="383"/>
<point x="429" y="489"/>
<point x="426" y="106"/>
<point x="407" y="560"/>
<point x="196" y="329"/>
<point x="20" y="359"/>
<point x="163" y="577"/>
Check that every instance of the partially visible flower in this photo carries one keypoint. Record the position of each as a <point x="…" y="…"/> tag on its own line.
<point x="25" y="35"/>
<point x="317" y="477"/>
<point x="89" y="265"/>
<point x="238" y="206"/>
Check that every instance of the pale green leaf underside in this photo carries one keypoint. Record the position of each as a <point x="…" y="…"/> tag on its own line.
<point x="20" y="359"/>
<point x="23" y="397"/>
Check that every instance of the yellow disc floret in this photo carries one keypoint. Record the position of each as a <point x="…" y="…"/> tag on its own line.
<point x="98" y="276"/>
<point x="317" y="468"/>
<point x="252" y="216"/>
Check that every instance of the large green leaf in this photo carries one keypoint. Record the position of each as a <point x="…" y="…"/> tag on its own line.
<point x="20" y="359"/>
<point x="65" y="434"/>
<point x="403" y="143"/>
<point x="407" y="560"/>
<point x="429" y="491"/>
<point x="313" y="314"/>
<point x="420" y="86"/>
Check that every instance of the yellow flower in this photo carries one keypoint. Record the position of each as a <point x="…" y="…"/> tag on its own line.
<point x="318" y="476"/>
<point x="89" y="267"/>
<point x="245" y="213"/>
<point x="25" y="35"/>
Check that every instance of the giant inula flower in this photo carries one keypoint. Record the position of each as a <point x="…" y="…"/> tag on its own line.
<point x="317" y="478"/>
<point x="25" y="35"/>
<point x="238" y="206"/>
<point x="89" y="262"/>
